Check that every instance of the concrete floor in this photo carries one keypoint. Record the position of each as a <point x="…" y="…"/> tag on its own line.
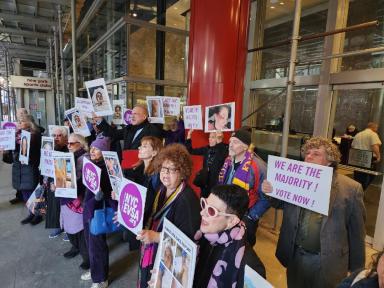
<point x="28" y="258"/>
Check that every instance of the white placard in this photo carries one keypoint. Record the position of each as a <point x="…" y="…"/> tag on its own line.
<point x="193" y="117"/>
<point x="130" y="212"/>
<point x="155" y="109"/>
<point x="91" y="176"/>
<point x="300" y="183"/>
<point x="65" y="175"/>
<point x="47" y="167"/>
<point x="25" y="145"/>
<point x="220" y="117"/>
<point x="173" y="241"/>
<point x="98" y="93"/>
<point x="171" y="106"/>
<point x="118" y="110"/>
<point x="253" y="280"/>
<point x="7" y="139"/>
<point x="115" y="173"/>
<point x="78" y="123"/>
<point x="85" y="106"/>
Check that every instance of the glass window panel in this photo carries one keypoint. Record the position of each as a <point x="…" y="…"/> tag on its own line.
<point x="175" y="57"/>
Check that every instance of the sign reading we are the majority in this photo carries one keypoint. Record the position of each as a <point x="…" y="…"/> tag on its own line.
<point x="300" y="183"/>
<point x="31" y="82"/>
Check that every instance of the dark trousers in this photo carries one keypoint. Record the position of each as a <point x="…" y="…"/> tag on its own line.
<point x="251" y="226"/>
<point x="78" y="242"/>
<point x="363" y="178"/>
<point x="304" y="271"/>
<point x="25" y="194"/>
<point x="98" y="255"/>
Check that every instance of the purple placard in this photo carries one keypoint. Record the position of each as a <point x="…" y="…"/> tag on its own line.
<point x="131" y="206"/>
<point x="128" y="116"/>
<point x="9" y="125"/>
<point x="91" y="176"/>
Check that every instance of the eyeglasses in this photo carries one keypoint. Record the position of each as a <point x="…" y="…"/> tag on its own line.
<point x="72" y="143"/>
<point x="57" y="135"/>
<point x="212" y="211"/>
<point x="169" y="170"/>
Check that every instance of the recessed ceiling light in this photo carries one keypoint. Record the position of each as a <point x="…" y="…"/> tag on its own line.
<point x="272" y="7"/>
<point x="134" y="14"/>
<point x="281" y="3"/>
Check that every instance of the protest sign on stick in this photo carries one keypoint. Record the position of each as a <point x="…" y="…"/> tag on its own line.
<point x="130" y="211"/>
<point x="91" y="176"/>
<point x="300" y="183"/>
<point x="193" y="117"/>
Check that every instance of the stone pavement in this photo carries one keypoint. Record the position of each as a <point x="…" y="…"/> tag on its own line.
<point x="28" y="258"/>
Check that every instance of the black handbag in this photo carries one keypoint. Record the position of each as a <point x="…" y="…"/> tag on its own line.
<point x="8" y="157"/>
<point x="201" y="178"/>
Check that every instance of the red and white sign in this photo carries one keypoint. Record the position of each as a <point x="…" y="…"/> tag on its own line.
<point x="31" y="82"/>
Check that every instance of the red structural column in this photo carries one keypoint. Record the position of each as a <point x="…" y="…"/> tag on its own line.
<point x="217" y="54"/>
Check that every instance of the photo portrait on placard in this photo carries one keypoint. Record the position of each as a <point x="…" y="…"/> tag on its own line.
<point x="220" y="117"/>
<point x="155" y="109"/>
<point x="63" y="173"/>
<point x="98" y="93"/>
<point x="47" y="143"/>
<point x="25" y="142"/>
<point x="78" y="122"/>
<point x="118" y="109"/>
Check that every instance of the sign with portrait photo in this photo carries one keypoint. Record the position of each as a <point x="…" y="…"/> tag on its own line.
<point x="175" y="259"/>
<point x="220" y="117"/>
<point x="193" y="117"/>
<point x="7" y="139"/>
<point x="25" y="145"/>
<point x="65" y="175"/>
<point x="115" y="173"/>
<point x="130" y="212"/>
<point x="91" y="176"/>
<point x="78" y="123"/>
<point x="118" y="110"/>
<point x="85" y="106"/>
<point x="155" y="109"/>
<point x="47" y="167"/>
<point x="127" y="117"/>
<point x="98" y="93"/>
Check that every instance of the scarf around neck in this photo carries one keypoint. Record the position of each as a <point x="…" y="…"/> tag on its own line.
<point x="228" y="266"/>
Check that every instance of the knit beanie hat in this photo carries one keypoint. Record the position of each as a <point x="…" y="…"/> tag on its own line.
<point x="102" y="143"/>
<point x="243" y="135"/>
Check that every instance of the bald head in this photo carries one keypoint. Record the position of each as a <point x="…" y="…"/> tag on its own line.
<point x="373" y="126"/>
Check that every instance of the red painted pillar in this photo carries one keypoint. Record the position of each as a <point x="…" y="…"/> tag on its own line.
<point x="217" y="55"/>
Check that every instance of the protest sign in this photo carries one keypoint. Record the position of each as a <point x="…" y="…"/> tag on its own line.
<point x="85" y="106"/>
<point x="193" y="117"/>
<point x="98" y="93"/>
<point x="47" y="167"/>
<point x="155" y="109"/>
<point x="65" y="175"/>
<point x="55" y="129"/>
<point x="118" y="109"/>
<point x="91" y="176"/>
<point x="300" y="183"/>
<point x="220" y="117"/>
<point x="7" y="139"/>
<point x="114" y="170"/>
<point x="8" y="125"/>
<point x="171" y="106"/>
<point x="78" y="123"/>
<point x="130" y="212"/>
<point x="25" y="145"/>
<point x="36" y="202"/>
<point x="175" y="245"/>
<point x="127" y="117"/>
<point x="253" y="280"/>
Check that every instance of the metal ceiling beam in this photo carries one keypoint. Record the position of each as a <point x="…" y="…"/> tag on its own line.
<point x="29" y="19"/>
<point x="25" y="33"/>
<point x="31" y="53"/>
<point x="60" y="2"/>
<point x="27" y="48"/>
<point x="96" y="4"/>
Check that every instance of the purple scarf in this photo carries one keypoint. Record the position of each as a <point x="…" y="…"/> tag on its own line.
<point x="228" y="265"/>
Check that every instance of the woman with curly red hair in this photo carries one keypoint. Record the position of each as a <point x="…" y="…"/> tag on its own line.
<point x="175" y="201"/>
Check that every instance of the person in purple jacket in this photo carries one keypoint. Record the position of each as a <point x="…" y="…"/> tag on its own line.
<point x="97" y="245"/>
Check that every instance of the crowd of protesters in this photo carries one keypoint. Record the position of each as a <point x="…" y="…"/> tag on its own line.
<point x="222" y="217"/>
